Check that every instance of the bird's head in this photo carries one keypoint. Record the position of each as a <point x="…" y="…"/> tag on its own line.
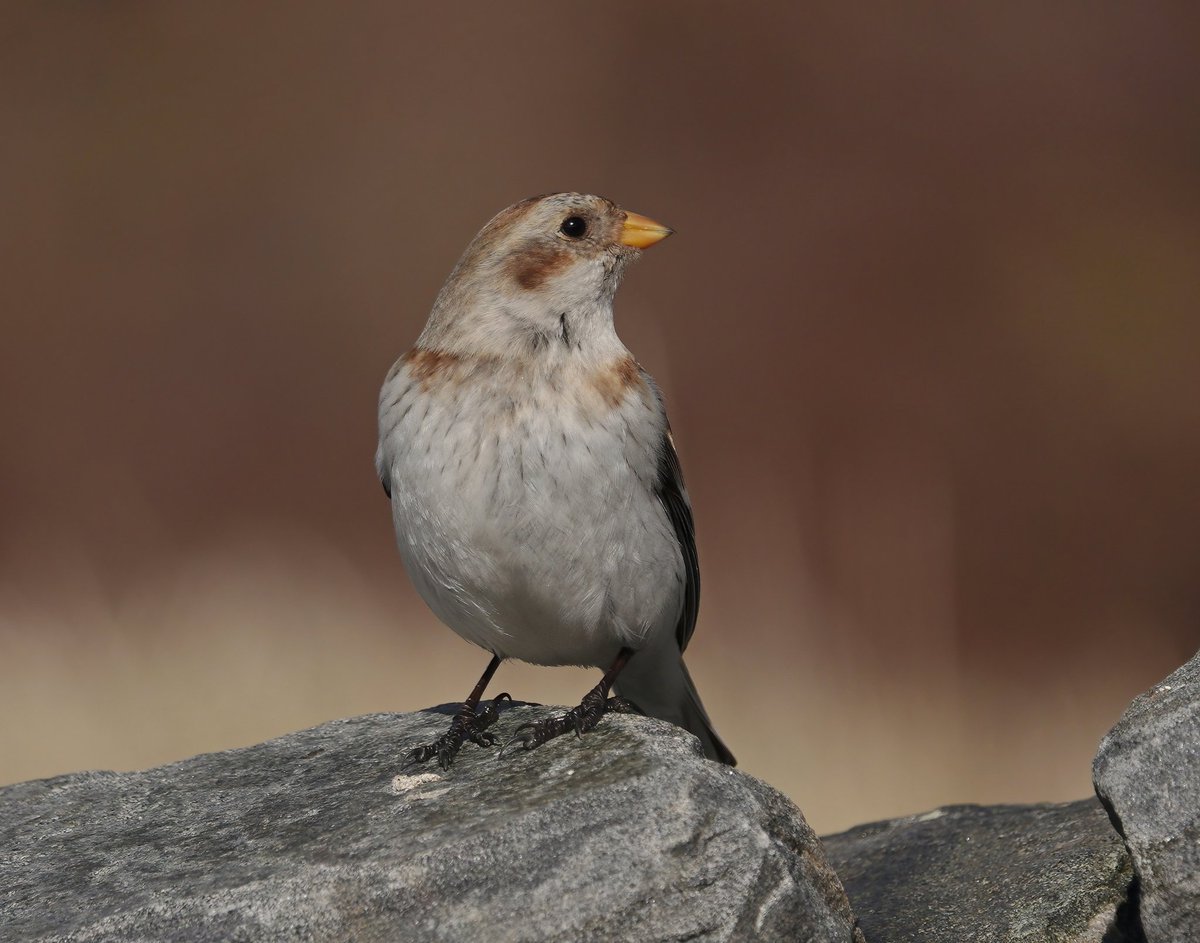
<point x="543" y="270"/>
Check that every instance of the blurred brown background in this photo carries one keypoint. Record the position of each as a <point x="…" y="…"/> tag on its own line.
<point x="929" y="336"/>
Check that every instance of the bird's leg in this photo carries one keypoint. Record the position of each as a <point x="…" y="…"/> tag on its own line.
<point x="470" y="723"/>
<point x="596" y="703"/>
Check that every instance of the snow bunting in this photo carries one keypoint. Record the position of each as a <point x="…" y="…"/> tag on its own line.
<point x="536" y="493"/>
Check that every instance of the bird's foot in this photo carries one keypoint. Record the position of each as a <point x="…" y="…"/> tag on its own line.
<point x="581" y="719"/>
<point x="470" y="723"/>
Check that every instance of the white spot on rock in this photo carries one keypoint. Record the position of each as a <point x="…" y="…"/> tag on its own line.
<point x="402" y="784"/>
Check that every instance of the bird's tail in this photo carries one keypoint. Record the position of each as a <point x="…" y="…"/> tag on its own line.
<point x="663" y="688"/>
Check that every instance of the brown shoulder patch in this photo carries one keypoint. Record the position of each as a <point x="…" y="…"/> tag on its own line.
<point x="533" y="265"/>
<point x="430" y="367"/>
<point x="616" y="380"/>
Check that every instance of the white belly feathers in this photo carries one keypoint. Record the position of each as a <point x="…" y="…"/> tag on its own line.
<point x="530" y="524"/>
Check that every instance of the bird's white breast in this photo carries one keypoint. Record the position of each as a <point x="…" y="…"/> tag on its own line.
<point x="524" y="503"/>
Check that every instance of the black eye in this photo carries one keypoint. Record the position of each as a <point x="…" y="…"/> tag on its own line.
<point x="573" y="226"/>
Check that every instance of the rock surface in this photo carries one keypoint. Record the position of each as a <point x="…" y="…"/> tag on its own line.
<point x="1147" y="773"/>
<point x="962" y="874"/>
<point x="327" y="834"/>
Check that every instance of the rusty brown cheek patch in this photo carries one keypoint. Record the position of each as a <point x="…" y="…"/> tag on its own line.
<point x="531" y="268"/>
<point x="615" y="381"/>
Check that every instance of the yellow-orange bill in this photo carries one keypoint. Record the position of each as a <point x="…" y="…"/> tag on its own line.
<point x="641" y="231"/>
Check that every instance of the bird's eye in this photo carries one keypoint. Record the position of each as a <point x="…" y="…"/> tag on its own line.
<point x="573" y="226"/>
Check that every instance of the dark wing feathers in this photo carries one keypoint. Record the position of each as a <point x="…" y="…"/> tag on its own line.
<point x="673" y="494"/>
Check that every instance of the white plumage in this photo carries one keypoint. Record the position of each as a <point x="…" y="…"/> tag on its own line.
<point x="527" y="517"/>
<point x="524" y="453"/>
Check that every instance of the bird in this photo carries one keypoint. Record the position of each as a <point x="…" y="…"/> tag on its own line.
<point x="536" y="493"/>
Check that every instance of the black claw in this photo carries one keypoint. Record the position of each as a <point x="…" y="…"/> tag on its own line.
<point x="518" y="734"/>
<point x="618" y="705"/>
<point x="468" y="724"/>
<point x="486" y="716"/>
<point x="531" y="735"/>
<point x="580" y="719"/>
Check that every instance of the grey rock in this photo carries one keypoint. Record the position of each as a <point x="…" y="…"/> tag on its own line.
<point x="962" y="874"/>
<point x="1147" y="773"/>
<point x="328" y="834"/>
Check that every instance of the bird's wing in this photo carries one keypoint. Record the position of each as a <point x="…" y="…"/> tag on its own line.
<point x="381" y="471"/>
<point x="671" y="491"/>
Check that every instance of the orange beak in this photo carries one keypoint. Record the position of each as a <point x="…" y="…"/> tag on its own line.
<point x="641" y="232"/>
